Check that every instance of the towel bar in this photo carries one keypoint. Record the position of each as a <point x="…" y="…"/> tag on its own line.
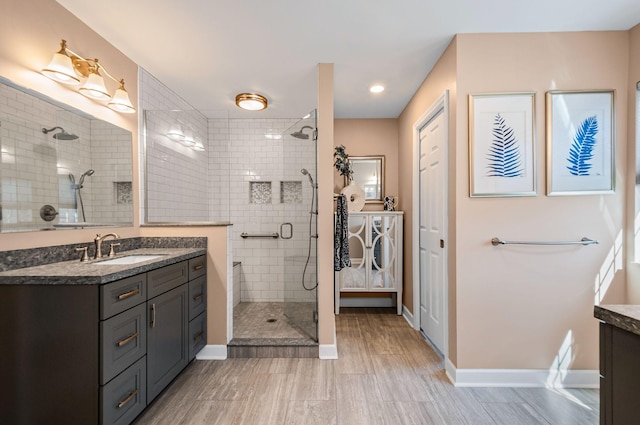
<point x="583" y="241"/>
<point x="273" y="235"/>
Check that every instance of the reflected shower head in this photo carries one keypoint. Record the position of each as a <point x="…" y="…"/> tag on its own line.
<point x="300" y="133"/>
<point x="62" y="135"/>
<point x="308" y="174"/>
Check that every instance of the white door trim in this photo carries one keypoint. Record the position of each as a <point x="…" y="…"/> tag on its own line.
<point x="440" y="105"/>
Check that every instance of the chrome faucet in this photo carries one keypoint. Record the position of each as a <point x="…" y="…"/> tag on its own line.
<point x="98" y="241"/>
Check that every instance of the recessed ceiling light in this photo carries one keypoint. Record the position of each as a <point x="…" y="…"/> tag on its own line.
<point x="376" y="89"/>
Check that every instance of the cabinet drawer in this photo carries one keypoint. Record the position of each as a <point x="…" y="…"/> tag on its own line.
<point x="166" y="278"/>
<point x="125" y="397"/>
<point x="197" y="296"/>
<point x="123" y="294"/>
<point x="124" y="340"/>
<point x="197" y="335"/>
<point x="197" y="267"/>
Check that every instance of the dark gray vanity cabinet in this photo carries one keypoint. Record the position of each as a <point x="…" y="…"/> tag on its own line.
<point x="197" y="305"/>
<point x="49" y="342"/>
<point x="98" y="354"/>
<point x="619" y="376"/>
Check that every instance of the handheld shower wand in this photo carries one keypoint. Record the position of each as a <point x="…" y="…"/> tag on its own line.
<point x="314" y="186"/>
<point x="306" y="173"/>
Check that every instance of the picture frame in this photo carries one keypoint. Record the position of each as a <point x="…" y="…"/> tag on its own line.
<point x="580" y="131"/>
<point x="502" y="154"/>
<point x="368" y="174"/>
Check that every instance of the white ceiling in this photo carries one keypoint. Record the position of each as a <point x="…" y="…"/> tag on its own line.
<point x="208" y="51"/>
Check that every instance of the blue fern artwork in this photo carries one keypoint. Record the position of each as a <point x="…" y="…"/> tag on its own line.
<point x="504" y="153"/>
<point x="581" y="151"/>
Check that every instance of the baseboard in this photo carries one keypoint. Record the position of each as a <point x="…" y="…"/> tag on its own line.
<point x="407" y="315"/>
<point x="329" y="351"/>
<point x="366" y="302"/>
<point x="212" y="352"/>
<point x="535" y="378"/>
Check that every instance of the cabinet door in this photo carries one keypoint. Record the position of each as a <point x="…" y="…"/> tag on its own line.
<point x="124" y="340"/>
<point x="382" y="270"/>
<point x="197" y="296"/>
<point x="197" y="335"/>
<point x="125" y="396"/>
<point x="167" y="350"/>
<point x="354" y="277"/>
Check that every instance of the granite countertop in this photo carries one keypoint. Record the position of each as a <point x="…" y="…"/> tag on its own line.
<point x="88" y="273"/>
<point x="626" y="317"/>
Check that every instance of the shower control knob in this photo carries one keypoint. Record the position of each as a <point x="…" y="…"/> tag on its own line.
<point x="48" y="213"/>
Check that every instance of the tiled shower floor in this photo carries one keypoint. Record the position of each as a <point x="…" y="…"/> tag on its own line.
<point x="255" y="320"/>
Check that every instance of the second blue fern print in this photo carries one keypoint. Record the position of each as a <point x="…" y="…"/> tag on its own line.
<point x="581" y="151"/>
<point x="504" y="152"/>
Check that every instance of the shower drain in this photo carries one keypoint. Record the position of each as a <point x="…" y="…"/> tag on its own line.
<point x="272" y="320"/>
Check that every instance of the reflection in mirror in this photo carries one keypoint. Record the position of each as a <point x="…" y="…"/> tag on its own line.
<point x="368" y="173"/>
<point x="60" y="168"/>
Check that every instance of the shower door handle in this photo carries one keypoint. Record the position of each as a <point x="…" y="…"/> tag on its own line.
<point x="290" y="230"/>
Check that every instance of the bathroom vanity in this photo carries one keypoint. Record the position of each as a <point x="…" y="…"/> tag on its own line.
<point x="619" y="363"/>
<point x="92" y="343"/>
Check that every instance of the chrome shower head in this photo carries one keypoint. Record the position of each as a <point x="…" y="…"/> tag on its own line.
<point x="62" y="135"/>
<point x="300" y="133"/>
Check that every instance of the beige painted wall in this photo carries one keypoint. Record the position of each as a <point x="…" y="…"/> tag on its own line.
<point x="362" y="137"/>
<point x="327" y="324"/>
<point x="442" y="77"/>
<point x="633" y="271"/>
<point x="31" y="33"/>
<point x="513" y="307"/>
<point x="517" y="305"/>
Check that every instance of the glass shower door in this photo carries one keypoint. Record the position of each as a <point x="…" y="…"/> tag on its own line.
<point x="298" y="194"/>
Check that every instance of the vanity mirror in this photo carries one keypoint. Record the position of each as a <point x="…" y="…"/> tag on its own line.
<point x="60" y="167"/>
<point x="368" y="173"/>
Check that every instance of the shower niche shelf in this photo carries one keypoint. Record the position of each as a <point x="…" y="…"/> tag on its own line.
<point x="290" y="192"/>
<point x="260" y="192"/>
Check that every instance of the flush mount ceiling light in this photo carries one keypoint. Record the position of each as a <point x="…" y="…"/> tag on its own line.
<point x="376" y="88"/>
<point x="251" y="101"/>
<point x="69" y="68"/>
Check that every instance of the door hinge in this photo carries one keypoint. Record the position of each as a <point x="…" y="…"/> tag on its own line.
<point x="315" y="316"/>
<point x="441" y="243"/>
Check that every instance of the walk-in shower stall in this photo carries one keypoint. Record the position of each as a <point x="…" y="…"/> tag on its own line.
<point x="259" y="175"/>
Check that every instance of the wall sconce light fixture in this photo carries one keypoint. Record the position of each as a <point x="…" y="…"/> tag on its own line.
<point x="251" y="101"/>
<point x="68" y="67"/>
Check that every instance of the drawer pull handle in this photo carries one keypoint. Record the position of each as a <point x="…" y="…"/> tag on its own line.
<point x="198" y="336"/>
<point x="197" y="297"/>
<point x="128" y="294"/>
<point x="127" y="399"/>
<point x="198" y="267"/>
<point x="153" y="315"/>
<point x="127" y="340"/>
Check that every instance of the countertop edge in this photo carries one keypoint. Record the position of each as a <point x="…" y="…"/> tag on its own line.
<point x="625" y="317"/>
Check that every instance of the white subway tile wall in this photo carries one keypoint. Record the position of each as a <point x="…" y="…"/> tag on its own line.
<point x="270" y="266"/>
<point x="36" y="168"/>
<point x="216" y="185"/>
<point x="177" y="176"/>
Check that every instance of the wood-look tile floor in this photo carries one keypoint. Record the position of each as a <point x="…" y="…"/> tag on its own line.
<point x="386" y="374"/>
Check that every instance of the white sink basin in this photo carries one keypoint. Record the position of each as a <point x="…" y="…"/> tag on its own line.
<point x="130" y="259"/>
